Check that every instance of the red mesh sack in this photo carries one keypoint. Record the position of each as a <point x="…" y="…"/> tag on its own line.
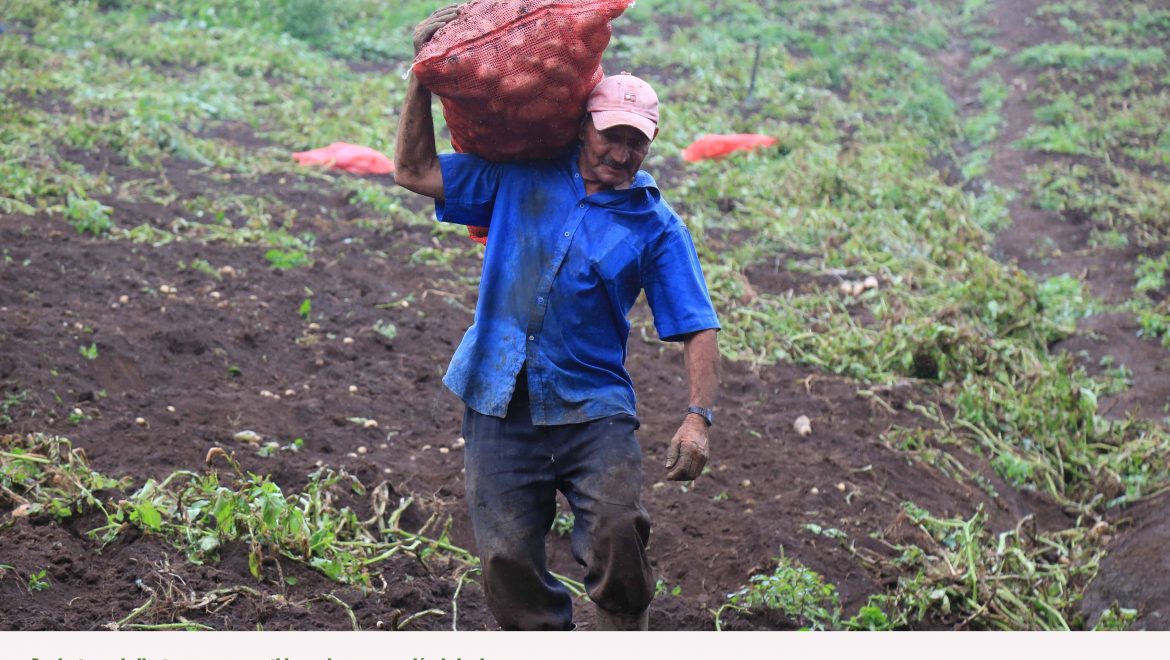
<point x="348" y="157"/>
<point x="513" y="75"/>
<point x="717" y="146"/>
<point x="477" y="234"/>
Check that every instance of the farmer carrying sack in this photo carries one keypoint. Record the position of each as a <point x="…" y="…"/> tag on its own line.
<point x="513" y="75"/>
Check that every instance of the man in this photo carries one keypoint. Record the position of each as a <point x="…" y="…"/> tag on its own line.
<point x="550" y="406"/>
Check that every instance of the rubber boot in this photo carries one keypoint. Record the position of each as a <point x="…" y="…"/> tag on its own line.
<point x="609" y="621"/>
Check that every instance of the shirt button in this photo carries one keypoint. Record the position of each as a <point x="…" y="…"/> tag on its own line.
<point x="531" y="337"/>
<point x="540" y="301"/>
<point x="581" y="206"/>
<point x="566" y="234"/>
<point x="576" y="176"/>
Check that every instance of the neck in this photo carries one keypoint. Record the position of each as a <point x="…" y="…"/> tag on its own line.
<point x="594" y="186"/>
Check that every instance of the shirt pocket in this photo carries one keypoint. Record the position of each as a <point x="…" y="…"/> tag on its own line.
<point x="618" y="269"/>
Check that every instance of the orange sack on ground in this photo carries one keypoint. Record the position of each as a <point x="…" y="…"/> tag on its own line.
<point x="348" y="157"/>
<point x="513" y="75"/>
<point x="716" y="146"/>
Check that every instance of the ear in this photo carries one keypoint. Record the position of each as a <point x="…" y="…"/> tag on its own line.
<point x="581" y="128"/>
<point x="655" y="134"/>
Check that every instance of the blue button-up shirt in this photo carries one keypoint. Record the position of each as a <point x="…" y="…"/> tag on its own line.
<point x="561" y="271"/>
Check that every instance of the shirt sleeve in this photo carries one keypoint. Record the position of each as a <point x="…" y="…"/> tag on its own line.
<point x="469" y="189"/>
<point x="675" y="287"/>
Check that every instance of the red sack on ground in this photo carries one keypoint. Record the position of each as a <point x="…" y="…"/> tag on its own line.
<point x="349" y="157"/>
<point x="513" y="75"/>
<point x="716" y="146"/>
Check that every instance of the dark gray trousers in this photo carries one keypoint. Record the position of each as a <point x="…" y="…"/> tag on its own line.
<point x="514" y="470"/>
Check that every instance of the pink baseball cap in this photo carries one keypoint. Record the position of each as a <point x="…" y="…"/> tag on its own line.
<point x="624" y="100"/>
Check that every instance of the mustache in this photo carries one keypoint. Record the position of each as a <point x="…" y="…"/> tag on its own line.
<point x="605" y="160"/>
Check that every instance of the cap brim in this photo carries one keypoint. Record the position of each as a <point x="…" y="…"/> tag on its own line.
<point x="603" y="119"/>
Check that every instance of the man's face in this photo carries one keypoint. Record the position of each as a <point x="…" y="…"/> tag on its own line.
<point x="612" y="157"/>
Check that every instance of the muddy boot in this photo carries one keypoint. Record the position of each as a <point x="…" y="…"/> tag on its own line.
<point x="609" y="621"/>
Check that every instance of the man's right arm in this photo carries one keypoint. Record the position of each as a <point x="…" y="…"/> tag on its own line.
<point x="416" y="161"/>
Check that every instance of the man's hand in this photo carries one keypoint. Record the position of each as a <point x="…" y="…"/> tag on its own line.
<point x="688" y="450"/>
<point x="428" y="28"/>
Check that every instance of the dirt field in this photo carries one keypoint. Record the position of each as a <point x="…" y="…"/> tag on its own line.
<point x="199" y="358"/>
<point x="162" y="350"/>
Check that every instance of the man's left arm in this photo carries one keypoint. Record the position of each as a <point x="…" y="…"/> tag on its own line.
<point x="689" y="451"/>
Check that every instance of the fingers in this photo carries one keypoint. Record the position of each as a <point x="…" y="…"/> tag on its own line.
<point x="682" y="471"/>
<point x="445" y="15"/>
<point x="434" y="23"/>
<point x="427" y="31"/>
<point x="688" y="469"/>
<point x="690" y="458"/>
<point x="673" y="452"/>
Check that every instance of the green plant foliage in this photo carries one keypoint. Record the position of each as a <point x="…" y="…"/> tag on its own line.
<point x="1073" y="55"/>
<point x="50" y="474"/>
<point x="563" y="523"/>
<point x="287" y="259"/>
<point x="1116" y="619"/>
<point x="10" y="404"/>
<point x="1151" y="273"/>
<point x="1018" y="580"/>
<point x="1150" y="303"/>
<point x="1063" y="301"/>
<point x="88" y="216"/>
<point x="388" y="330"/>
<point x="797" y="592"/>
<point x="38" y="581"/>
<point x="198" y="512"/>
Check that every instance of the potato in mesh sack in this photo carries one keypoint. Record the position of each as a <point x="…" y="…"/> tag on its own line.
<point x="513" y="75"/>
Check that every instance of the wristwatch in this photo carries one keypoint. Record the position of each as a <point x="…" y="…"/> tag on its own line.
<point x="705" y="413"/>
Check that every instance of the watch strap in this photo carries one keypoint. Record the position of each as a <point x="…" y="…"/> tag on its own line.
<point x="705" y="413"/>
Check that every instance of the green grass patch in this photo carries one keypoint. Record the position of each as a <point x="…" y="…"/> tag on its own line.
<point x="1074" y="55"/>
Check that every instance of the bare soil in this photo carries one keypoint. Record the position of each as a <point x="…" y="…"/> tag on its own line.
<point x="1134" y="572"/>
